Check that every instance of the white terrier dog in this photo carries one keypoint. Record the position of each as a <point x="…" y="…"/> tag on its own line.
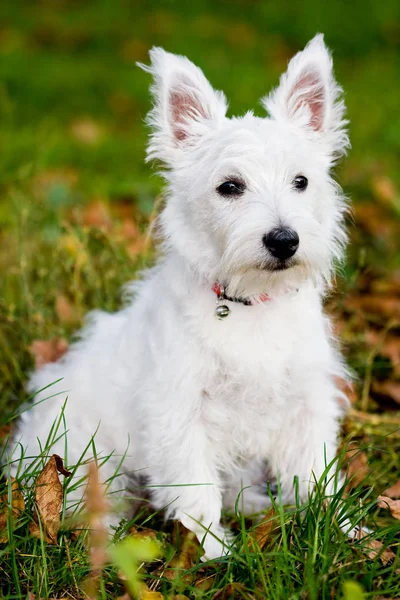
<point x="223" y="359"/>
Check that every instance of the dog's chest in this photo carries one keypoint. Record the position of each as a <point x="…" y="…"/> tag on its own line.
<point x="252" y="366"/>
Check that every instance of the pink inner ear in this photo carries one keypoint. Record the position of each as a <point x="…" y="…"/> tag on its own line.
<point x="309" y="90"/>
<point x="184" y="106"/>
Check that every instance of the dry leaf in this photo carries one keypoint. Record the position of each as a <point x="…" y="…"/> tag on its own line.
<point x="389" y="389"/>
<point x="374" y="550"/>
<point x="385" y="190"/>
<point x="17" y="506"/>
<point x="182" y="562"/>
<point x="5" y="431"/>
<point x="142" y="533"/>
<point x="393" y="491"/>
<point x="392" y="505"/>
<point x="262" y="533"/>
<point x="65" y="310"/>
<point x="48" y="499"/>
<point x="357" y="468"/>
<point x="86" y="131"/>
<point x="386" y="306"/>
<point x="97" y="509"/>
<point x="147" y="594"/>
<point x="97" y="214"/>
<point x="47" y="351"/>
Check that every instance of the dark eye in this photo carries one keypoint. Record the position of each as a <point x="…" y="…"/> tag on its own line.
<point x="300" y="183"/>
<point x="233" y="187"/>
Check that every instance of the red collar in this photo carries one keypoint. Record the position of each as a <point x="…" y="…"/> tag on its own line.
<point x="219" y="290"/>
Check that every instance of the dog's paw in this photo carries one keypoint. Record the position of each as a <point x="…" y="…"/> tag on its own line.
<point x="216" y="543"/>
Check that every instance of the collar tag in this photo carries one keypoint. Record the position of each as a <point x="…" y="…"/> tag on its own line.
<point x="222" y="311"/>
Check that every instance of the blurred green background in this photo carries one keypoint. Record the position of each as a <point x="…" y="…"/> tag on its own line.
<point x="61" y="61"/>
<point x="75" y="192"/>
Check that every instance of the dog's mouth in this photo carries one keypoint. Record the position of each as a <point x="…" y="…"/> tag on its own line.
<point x="278" y="265"/>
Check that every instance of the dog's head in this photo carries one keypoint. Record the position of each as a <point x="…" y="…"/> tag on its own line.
<point x="251" y="201"/>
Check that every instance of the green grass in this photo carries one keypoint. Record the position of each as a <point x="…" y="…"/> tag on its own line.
<point x="72" y="105"/>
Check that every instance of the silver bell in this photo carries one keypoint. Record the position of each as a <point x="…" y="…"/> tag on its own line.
<point x="222" y="311"/>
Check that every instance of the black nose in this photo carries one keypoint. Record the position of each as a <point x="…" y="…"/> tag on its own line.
<point x="281" y="242"/>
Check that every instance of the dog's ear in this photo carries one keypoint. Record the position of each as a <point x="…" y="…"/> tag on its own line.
<point x="185" y="104"/>
<point x="309" y="97"/>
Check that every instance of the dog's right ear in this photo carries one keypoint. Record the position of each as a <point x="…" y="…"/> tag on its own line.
<point x="185" y="105"/>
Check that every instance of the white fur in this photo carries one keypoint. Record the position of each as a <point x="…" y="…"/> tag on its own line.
<point x="189" y="399"/>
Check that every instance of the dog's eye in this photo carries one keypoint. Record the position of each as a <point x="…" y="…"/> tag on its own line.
<point x="300" y="183"/>
<point x="233" y="187"/>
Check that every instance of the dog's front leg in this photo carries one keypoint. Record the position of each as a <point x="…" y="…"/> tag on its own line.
<point x="185" y="482"/>
<point x="307" y="442"/>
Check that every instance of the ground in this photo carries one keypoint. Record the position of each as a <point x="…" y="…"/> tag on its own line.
<point x="76" y="200"/>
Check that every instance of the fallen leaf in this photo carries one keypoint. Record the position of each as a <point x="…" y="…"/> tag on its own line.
<point x="393" y="491"/>
<point x="357" y="468"/>
<point x="48" y="499"/>
<point x="142" y="533"/>
<point x="177" y="565"/>
<point x="374" y="219"/>
<point x="375" y="549"/>
<point x="389" y="389"/>
<point x="389" y="347"/>
<point x="147" y="594"/>
<point x="385" y="190"/>
<point x="129" y="230"/>
<point x="47" y="351"/>
<point x="97" y="214"/>
<point x="17" y="506"/>
<point x="86" y="131"/>
<point x="387" y="307"/>
<point x="97" y="509"/>
<point x="261" y="534"/>
<point x="137" y="246"/>
<point x="60" y="466"/>
<point x="392" y="505"/>
<point x="65" y="310"/>
<point x="5" y="430"/>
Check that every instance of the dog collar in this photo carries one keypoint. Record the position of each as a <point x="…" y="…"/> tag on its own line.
<point x="222" y="311"/>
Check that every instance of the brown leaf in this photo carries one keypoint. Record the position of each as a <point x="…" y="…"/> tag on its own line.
<point x="97" y="214"/>
<point x="47" y="351"/>
<point x="384" y="190"/>
<point x="393" y="491"/>
<point x="65" y="310"/>
<point x="48" y="499"/>
<point x="142" y="533"/>
<point x="392" y="505"/>
<point x="97" y="509"/>
<point x="5" y="430"/>
<point x="182" y="562"/>
<point x="149" y="595"/>
<point x="374" y="550"/>
<point x="389" y="346"/>
<point x="389" y="389"/>
<point x="385" y="306"/>
<point x="60" y="466"/>
<point x="357" y="467"/>
<point x="262" y="533"/>
<point x="86" y="131"/>
<point x="17" y="506"/>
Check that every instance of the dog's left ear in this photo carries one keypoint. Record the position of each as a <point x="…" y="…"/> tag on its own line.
<point x="309" y="97"/>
